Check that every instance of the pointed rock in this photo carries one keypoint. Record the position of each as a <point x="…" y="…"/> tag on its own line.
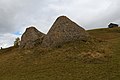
<point x="31" y="37"/>
<point x="63" y="30"/>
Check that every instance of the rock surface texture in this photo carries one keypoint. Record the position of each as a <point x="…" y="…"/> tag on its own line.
<point x="63" y="30"/>
<point x="31" y="37"/>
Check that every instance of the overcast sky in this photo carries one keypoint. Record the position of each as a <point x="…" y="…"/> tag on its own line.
<point x="16" y="15"/>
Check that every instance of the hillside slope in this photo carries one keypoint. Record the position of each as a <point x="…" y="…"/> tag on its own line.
<point x="95" y="59"/>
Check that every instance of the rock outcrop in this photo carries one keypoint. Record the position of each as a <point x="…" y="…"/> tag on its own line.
<point x="63" y="30"/>
<point x="31" y="37"/>
<point x="112" y="25"/>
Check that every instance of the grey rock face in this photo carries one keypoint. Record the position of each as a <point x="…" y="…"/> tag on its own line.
<point x="31" y="37"/>
<point x="63" y="30"/>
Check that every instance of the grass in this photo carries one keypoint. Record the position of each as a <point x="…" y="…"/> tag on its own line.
<point x="77" y="60"/>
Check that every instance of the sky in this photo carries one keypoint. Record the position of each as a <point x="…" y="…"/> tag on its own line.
<point x="17" y="15"/>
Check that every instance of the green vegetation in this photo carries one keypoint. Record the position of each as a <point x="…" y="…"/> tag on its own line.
<point x="98" y="58"/>
<point x="17" y="42"/>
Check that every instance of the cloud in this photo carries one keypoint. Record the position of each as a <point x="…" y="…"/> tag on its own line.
<point x="16" y="15"/>
<point x="7" y="40"/>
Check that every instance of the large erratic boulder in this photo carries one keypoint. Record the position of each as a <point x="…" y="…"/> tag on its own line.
<point x="62" y="31"/>
<point x="31" y="37"/>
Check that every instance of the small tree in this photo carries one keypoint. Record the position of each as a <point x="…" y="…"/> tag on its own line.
<point x="17" y="41"/>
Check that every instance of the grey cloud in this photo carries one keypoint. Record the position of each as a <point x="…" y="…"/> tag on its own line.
<point x="15" y="15"/>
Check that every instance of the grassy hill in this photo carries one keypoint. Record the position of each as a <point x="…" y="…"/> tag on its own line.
<point x="98" y="58"/>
